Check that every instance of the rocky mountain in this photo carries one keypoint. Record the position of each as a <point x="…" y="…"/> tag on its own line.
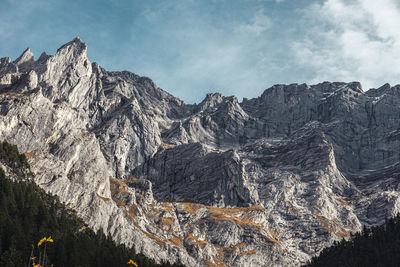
<point x="268" y="181"/>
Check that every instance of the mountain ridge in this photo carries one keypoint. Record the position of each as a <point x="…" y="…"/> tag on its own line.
<point x="267" y="181"/>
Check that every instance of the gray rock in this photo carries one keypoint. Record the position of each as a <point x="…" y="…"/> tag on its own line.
<point x="270" y="181"/>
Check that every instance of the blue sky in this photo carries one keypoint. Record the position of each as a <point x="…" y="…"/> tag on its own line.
<point x="236" y="47"/>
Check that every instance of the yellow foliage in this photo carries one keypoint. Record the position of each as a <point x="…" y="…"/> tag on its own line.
<point x="41" y="241"/>
<point x="131" y="262"/>
<point x="45" y="240"/>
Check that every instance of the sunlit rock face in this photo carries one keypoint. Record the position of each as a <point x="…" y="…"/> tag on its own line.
<point x="268" y="181"/>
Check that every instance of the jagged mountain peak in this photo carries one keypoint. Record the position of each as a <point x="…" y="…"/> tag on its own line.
<point x="213" y="100"/>
<point x="76" y="46"/>
<point x="26" y="56"/>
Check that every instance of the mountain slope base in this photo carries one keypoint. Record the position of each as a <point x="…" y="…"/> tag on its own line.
<point x="27" y="214"/>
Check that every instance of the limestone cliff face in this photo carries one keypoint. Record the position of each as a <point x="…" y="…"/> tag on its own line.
<point x="263" y="182"/>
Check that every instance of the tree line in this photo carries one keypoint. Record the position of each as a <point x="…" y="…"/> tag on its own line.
<point x="28" y="213"/>
<point x="376" y="246"/>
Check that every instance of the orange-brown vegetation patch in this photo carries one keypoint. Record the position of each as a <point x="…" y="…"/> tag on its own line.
<point x="209" y="263"/>
<point x="273" y="238"/>
<point x="226" y="214"/>
<point x="103" y="198"/>
<point x="151" y="216"/>
<point x="237" y="246"/>
<point x="293" y="208"/>
<point x="190" y="207"/>
<point x="273" y="234"/>
<point x="167" y="146"/>
<point x="118" y="186"/>
<point x="248" y="252"/>
<point x="134" y="179"/>
<point x="317" y="207"/>
<point x="221" y="252"/>
<point x="130" y="214"/>
<point x="229" y="214"/>
<point x="342" y="233"/>
<point x="343" y="201"/>
<point x="177" y="241"/>
<point x="195" y="241"/>
<point x="331" y="225"/>
<point x="30" y="155"/>
<point x="14" y="94"/>
<point x="191" y="237"/>
<point x="119" y="181"/>
<point x="325" y="222"/>
<point x="200" y="243"/>
<point x="218" y="261"/>
<point x="158" y="240"/>
<point x="166" y="221"/>
<point x="119" y="202"/>
<point x="167" y="206"/>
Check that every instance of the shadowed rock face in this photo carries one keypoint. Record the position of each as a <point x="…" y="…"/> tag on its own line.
<point x="268" y="181"/>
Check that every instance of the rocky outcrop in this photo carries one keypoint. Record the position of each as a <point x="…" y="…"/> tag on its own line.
<point x="269" y="181"/>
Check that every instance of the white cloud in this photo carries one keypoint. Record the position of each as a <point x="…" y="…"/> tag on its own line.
<point x="259" y="24"/>
<point x="352" y="40"/>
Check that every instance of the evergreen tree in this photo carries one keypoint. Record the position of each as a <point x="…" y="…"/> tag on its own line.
<point x="376" y="246"/>
<point x="27" y="214"/>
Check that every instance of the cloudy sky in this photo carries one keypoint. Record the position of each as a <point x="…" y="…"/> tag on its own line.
<point x="236" y="47"/>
